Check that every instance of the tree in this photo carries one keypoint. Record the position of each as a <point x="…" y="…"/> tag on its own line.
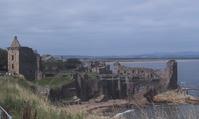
<point x="53" y="65"/>
<point x="72" y="63"/>
<point x="3" y="59"/>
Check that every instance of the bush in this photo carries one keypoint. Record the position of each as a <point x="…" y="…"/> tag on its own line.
<point x="3" y="59"/>
<point x="72" y="63"/>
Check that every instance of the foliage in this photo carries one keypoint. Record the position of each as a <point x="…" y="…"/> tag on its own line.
<point x="72" y="63"/>
<point x="3" y="59"/>
<point x="54" y="65"/>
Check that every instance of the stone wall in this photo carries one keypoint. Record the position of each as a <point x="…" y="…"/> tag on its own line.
<point x="135" y="72"/>
<point x="13" y="60"/>
<point x="27" y="63"/>
<point x="122" y="86"/>
<point x="173" y="74"/>
<point x="67" y="91"/>
<point x="23" y="61"/>
<point x="86" y="88"/>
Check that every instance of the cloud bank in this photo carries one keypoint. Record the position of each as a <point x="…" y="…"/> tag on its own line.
<point x="101" y="27"/>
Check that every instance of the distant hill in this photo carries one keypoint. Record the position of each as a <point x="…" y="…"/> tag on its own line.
<point x="159" y="55"/>
<point x="167" y="55"/>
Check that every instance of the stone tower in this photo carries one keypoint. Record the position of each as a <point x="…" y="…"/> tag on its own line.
<point x="172" y="70"/>
<point x="23" y="61"/>
<point x="13" y="57"/>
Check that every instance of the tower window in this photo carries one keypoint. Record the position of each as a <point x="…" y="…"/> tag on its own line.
<point x="12" y="57"/>
<point x="13" y="66"/>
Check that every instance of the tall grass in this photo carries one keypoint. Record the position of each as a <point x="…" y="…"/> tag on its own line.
<point x="17" y="98"/>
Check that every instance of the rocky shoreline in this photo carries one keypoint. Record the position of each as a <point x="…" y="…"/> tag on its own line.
<point x="176" y="97"/>
<point x="115" y="108"/>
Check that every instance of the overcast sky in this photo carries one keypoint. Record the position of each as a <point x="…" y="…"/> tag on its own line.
<point x="101" y="27"/>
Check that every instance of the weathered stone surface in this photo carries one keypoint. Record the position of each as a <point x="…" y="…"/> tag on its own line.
<point x="65" y="92"/>
<point x="23" y="61"/>
<point x="172" y="74"/>
<point x="176" y="97"/>
<point x="134" y="83"/>
<point x="86" y="88"/>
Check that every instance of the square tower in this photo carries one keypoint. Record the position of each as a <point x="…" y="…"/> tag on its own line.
<point x="13" y="57"/>
<point x="23" y="61"/>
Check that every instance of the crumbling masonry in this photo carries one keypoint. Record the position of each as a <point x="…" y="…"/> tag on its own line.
<point x="24" y="61"/>
<point x="125" y="82"/>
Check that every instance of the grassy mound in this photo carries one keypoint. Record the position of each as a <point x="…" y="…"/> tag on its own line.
<point x="18" y="99"/>
<point x="56" y="81"/>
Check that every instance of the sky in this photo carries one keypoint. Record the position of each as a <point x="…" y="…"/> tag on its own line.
<point x="101" y="27"/>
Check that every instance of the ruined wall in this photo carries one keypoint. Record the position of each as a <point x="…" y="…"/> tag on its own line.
<point x="160" y="81"/>
<point x="141" y="82"/>
<point x="39" y="74"/>
<point x="23" y="61"/>
<point x="65" y="92"/>
<point x="135" y="72"/>
<point x="28" y="63"/>
<point x="113" y="89"/>
<point x="86" y="88"/>
<point x="138" y="83"/>
<point x="169" y="77"/>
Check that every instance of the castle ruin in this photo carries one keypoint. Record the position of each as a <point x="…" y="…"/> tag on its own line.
<point x="123" y="82"/>
<point x="24" y="61"/>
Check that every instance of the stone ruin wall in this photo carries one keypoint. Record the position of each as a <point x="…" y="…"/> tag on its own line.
<point x="28" y="63"/>
<point x="169" y="77"/>
<point x="155" y="81"/>
<point x="152" y="81"/>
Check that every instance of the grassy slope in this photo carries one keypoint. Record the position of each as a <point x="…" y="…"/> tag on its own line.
<point x="60" y="80"/>
<point x="56" y="81"/>
<point x="17" y="98"/>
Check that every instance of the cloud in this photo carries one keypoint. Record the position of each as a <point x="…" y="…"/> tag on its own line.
<point x="115" y="26"/>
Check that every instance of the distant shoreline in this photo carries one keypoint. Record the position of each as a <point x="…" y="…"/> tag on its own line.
<point x="150" y="60"/>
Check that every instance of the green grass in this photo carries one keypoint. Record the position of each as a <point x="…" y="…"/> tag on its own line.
<point x="21" y="103"/>
<point x="92" y="75"/>
<point x="57" y="81"/>
<point x="60" y="80"/>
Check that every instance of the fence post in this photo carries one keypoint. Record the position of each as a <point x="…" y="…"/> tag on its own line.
<point x="0" y="114"/>
<point x="4" y="111"/>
